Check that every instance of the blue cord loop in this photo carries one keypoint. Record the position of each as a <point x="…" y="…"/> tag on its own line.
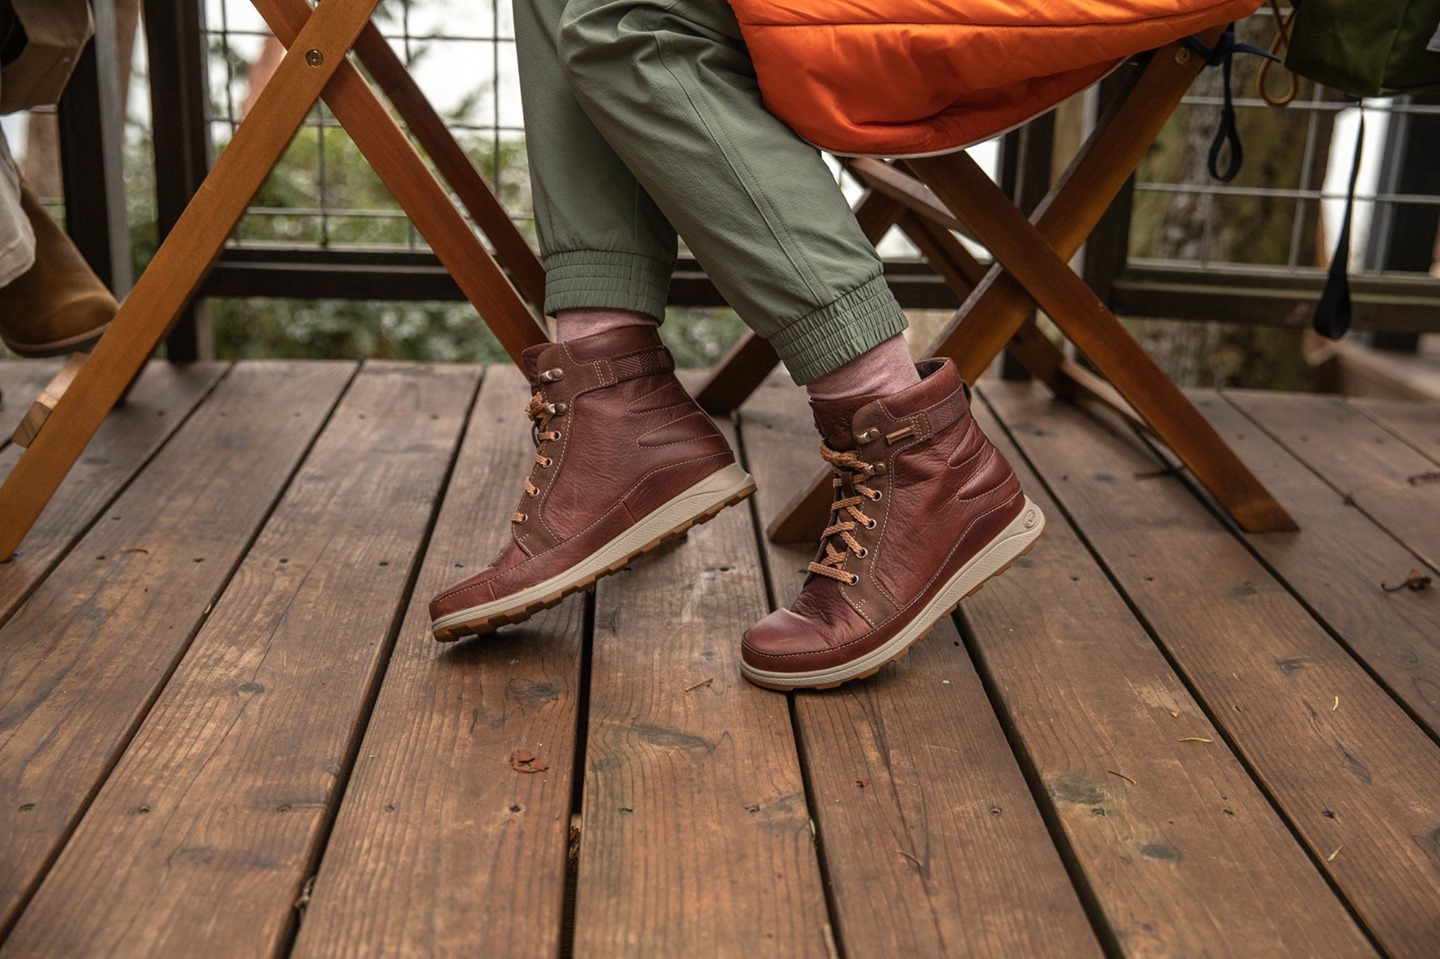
<point x="1226" y="135"/>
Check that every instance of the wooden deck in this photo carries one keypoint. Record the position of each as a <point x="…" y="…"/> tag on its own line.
<point x="224" y="730"/>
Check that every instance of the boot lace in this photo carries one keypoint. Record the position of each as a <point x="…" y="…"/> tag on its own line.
<point x="847" y="514"/>
<point x="541" y="412"/>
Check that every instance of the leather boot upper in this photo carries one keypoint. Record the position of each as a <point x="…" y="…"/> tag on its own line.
<point x="616" y="437"/>
<point x="919" y="491"/>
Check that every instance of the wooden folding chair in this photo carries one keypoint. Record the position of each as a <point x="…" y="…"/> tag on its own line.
<point x="935" y="195"/>
<point x="316" y="64"/>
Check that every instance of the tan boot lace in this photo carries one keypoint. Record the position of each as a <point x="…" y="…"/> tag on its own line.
<point x="541" y="412"/>
<point x="840" y="531"/>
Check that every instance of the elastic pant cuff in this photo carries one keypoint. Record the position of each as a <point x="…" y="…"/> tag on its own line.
<point x="835" y="334"/>
<point x="604" y="279"/>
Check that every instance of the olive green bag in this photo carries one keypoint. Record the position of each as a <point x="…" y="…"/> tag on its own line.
<point x="1367" y="48"/>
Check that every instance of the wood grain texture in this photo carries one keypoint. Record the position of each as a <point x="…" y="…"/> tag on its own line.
<point x="1360" y="784"/>
<point x="20" y="382"/>
<point x="440" y="847"/>
<point x="127" y="439"/>
<point x="224" y="791"/>
<point x="1416" y="423"/>
<point x="933" y="844"/>
<point x="1382" y="474"/>
<point x="1338" y="561"/>
<point x="696" y="837"/>
<point x="179" y="265"/>
<point x="1181" y="850"/>
<point x="82" y="660"/>
<point x="35" y="418"/>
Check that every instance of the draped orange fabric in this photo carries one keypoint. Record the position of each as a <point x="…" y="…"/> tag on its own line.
<point x="915" y="77"/>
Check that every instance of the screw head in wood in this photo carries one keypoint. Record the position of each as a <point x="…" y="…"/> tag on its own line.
<point x="314" y="57"/>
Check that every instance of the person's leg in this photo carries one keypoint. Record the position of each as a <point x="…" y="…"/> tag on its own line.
<point x="925" y="509"/>
<point x="670" y="86"/>
<point x="624" y="457"/>
<point x="604" y="242"/>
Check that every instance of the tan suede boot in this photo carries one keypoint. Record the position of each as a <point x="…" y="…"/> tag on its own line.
<point x="59" y="305"/>
<point x="925" y="511"/>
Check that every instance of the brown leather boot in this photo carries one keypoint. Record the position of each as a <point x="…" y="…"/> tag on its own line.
<point x="58" y="305"/>
<point x="624" y="460"/>
<point x="925" y="511"/>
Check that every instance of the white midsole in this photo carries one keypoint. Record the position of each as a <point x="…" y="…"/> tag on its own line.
<point x="716" y="488"/>
<point x="1013" y="540"/>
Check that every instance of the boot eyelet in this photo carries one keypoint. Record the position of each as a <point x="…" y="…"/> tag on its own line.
<point x="864" y="552"/>
<point x="560" y="408"/>
<point x="872" y="524"/>
<point x="875" y="496"/>
<point x="868" y="436"/>
<point x="547" y="463"/>
<point x="520" y="517"/>
<point x="554" y="434"/>
<point x="854" y="579"/>
<point x="552" y="376"/>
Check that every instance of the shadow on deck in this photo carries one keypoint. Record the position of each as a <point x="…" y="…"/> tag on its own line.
<point x="225" y="731"/>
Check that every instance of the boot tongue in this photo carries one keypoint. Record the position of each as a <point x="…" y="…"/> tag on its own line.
<point x="834" y="419"/>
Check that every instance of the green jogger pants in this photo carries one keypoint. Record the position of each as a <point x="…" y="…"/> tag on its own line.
<point x="643" y="118"/>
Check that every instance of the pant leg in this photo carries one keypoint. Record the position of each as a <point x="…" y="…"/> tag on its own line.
<point x="602" y="239"/>
<point x="670" y="85"/>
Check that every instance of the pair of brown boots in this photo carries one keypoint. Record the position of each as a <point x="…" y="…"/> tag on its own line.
<point x="925" y="508"/>
<point x="59" y="305"/>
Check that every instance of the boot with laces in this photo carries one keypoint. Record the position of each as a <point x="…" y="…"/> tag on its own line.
<point x="624" y="460"/>
<point x="925" y="511"/>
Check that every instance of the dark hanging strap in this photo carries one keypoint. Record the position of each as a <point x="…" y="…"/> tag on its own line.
<point x="1332" y="313"/>
<point x="1226" y="134"/>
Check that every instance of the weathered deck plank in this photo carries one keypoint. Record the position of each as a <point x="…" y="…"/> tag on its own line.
<point x="20" y="382"/>
<point x="696" y="836"/>
<point x="441" y="848"/>
<point x="224" y="792"/>
<point x="1302" y="828"/>
<point x="82" y="660"/>
<point x="1337" y="563"/>
<point x="1360" y="458"/>
<point x="155" y="408"/>
<point x="1180" y="849"/>
<point x="1359" y="783"/>
<point x="932" y="842"/>
<point x="1416" y="423"/>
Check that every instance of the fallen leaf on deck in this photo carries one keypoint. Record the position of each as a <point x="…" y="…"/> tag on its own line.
<point x="524" y="761"/>
<point x="1415" y="581"/>
<point x="862" y="783"/>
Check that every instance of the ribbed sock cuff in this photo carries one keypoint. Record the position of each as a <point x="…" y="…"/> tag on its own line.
<point x="604" y="279"/>
<point x="835" y="334"/>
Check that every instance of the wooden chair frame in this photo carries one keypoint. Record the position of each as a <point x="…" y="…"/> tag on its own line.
<point x="316" y="64"/>
<point x="930" y="197"/>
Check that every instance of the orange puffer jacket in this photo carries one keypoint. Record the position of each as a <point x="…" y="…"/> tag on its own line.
<point x="916" y="77"/>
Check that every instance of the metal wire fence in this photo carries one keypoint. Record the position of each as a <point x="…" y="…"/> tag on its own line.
<point x="462" y="53"/>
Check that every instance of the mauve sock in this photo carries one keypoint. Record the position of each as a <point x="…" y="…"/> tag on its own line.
<point x="574" y="324"/>
<point x="881" y="370"/>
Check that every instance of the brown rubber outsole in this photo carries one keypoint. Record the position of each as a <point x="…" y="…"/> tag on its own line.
<point x="489" y="624"/>
<point x="911" y="645"/>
